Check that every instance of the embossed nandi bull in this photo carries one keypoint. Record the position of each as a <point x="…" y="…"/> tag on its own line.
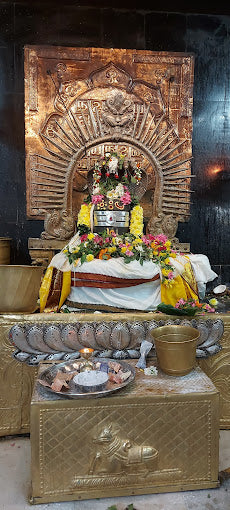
<point x="117" y="455"/>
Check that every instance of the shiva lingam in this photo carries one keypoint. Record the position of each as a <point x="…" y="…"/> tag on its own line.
<point x="86" y="354"/>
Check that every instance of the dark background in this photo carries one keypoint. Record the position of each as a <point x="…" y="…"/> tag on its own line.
<point x="204" y="32"/>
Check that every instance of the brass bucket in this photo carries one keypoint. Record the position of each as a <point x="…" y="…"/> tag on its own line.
<point x="19" y="288"/>
<point x="5" y="250"/>
<point x="176" y="348"/>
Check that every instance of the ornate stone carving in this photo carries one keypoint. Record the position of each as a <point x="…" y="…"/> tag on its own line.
<point x="163" y="224"/>
<point x="58" y="225"/>
<point x="111" y="339"/>
<point x="117" y="113"/>
<point x="113" y="108"/>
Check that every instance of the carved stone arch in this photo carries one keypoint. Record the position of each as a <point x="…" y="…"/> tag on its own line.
<point x="114" y="122"/>
<point x="140" y="100"/>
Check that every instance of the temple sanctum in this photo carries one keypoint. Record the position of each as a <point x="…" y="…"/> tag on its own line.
<point x="114" y="256"/>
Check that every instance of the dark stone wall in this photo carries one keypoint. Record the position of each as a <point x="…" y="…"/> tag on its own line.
<point x="207" y="36"/>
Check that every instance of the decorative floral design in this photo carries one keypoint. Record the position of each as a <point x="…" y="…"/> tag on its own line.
<point x="193" y="305"/>
<point x="131" y="246"/>
<point x="127" y="246"/>
<point x="111" y="168"/>
<point x="186" y="307"/>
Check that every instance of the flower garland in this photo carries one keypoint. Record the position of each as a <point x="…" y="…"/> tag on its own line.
<point x="110" y="164"/>
<point x="136" y="221"/>
<point x="84" y="215"/>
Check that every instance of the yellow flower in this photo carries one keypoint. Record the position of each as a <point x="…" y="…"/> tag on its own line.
<point x="137" y="241"/>
<point x="111" y="249"/>
<point x="90" y="236"/>
<point x="65" y="251"/>
<point x="136" y="221"/>
<point x="168" y="244"/>
<point x="76" y="250"/>
<point x="168" y="283"/>
<point x="123" y="249"/>
<point x="89" y="257"/>
<point x="213" y="302"/>
<point x="165" y="272"/>
<point x="173" y="255"/>
<point x="166" y="261"/>
<point x="84" y="215"/>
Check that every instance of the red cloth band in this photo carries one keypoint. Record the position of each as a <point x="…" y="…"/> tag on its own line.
<point x="106" y="282"/>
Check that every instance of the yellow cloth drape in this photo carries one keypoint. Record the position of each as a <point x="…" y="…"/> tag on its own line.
<point x="184" y="286"/>
<point x="66" y="287"/>
<point x="45" y="287"/>
<point x="46" y="284"/>
<point x="179" y="289"/>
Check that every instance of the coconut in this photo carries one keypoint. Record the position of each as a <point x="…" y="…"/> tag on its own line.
<point x="220" y="290"/>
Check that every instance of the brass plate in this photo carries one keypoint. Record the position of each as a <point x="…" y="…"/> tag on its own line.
<point x="73" y="392"/>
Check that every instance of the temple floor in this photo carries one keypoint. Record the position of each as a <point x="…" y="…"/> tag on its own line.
<point x="15" y="486"/>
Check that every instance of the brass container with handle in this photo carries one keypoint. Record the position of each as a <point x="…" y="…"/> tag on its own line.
<point x="176" y="348"/>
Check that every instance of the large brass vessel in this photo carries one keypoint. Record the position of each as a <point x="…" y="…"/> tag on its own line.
<point x="176" y="348"/>
<point x="19" y="287"/>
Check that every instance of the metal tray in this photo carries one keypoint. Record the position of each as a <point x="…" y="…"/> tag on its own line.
<point x="73" y="391"/>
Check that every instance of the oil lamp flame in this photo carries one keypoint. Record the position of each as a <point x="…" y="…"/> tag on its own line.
<point x="86" y="352"/>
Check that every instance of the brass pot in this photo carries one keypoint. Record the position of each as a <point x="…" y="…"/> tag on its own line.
<point x="5" y="250"/>
<point x="176" y="348"/>
<point x="19" y="288"/>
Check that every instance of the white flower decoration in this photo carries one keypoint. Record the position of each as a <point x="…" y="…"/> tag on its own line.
<point x="113" y="164"/>
<point x="151" y="370"/>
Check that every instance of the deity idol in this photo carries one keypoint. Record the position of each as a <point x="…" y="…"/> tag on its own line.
<point x="111" y="264"/>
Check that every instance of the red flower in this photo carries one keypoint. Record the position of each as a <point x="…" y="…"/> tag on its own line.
<point x="84" y="237"/>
